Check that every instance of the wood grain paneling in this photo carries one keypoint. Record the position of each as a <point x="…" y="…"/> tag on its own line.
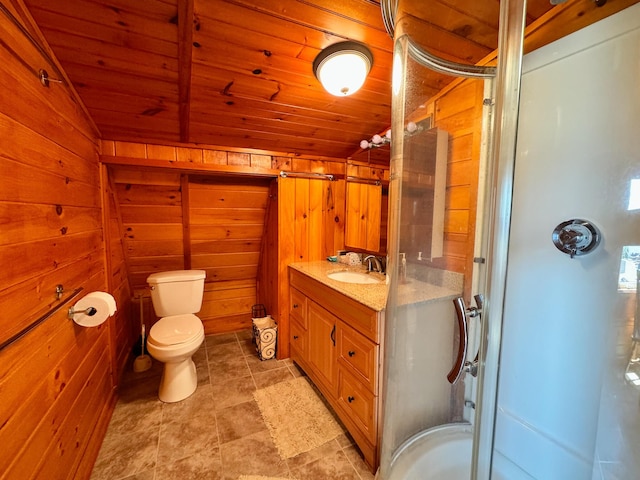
<point x="57" y="380"/>
<point x="239" y="73"/>
<point x="242" y="230"/>
<point x="227" y="223"/>
<point x="211" y="222"/>
<point x="309" y="222"/>
<point x="123" y="331"/>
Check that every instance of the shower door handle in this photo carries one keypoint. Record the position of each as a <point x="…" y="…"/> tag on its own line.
<point x="463" y="314"/>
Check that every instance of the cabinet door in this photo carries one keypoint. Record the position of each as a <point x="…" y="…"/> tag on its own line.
<point x="359" y="355"/>
<point x="298" y="341"/>
<point x="298" y="307"/>
<point x="359" y="403"/>
<point x="322" y="344"/>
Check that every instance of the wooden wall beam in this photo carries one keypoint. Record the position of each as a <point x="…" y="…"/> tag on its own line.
<point x="185" y="47"/>
<point x="186" y="221"/>
<point x="189" y="167"/>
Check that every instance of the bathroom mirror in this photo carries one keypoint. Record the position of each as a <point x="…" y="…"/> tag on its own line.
<point x="423" y="193"/>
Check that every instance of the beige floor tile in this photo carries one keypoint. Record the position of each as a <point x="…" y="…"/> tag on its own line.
<point x="124" y="455"/>
<point x="203" y="374"/>
<point x="245" y="335"/>
<point x="219" y="339"/>
<point x="218" y="432"/>
<point x="146" y="475"/>
<point x="186" y="437"/>
<point x="296" y="371"/>
<point x="130" y="416"/>
<point x="223" y="351"/>
<point x="200" y="357"/>
<point x="239" y="421"/>
<point x="252" y="455"/>
<point x="322" y="451"/>
<point x="201" y="466"/>
<point x="141" y="385"/>
<point x="345" y="440"/>
<point x="256" y="365"/>
<point x="355" y="457"/>
<point x="332" y="467"/>
<point x="233" y="392"/>
<point x="199" y="403"/>
<point x="224" y="370"/>
<point x="247" y="346"/>
<point x="271" y="377"/>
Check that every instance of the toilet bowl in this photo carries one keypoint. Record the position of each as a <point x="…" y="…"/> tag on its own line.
<point x="173" y="341"/>
<point x="176" y="297"/>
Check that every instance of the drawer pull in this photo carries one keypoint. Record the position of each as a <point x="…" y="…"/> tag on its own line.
<point x="350" y="399"/>
<point x="295" y="337"/>
<point x="295" y="305"/>
<point x="351" y="353"/>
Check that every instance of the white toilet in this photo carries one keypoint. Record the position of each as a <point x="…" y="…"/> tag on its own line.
<point x="173" y="339"/>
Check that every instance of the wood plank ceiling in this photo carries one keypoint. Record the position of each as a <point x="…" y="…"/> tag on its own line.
<point x="238" y="73"/>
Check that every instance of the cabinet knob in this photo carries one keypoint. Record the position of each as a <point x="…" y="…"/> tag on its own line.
<point x="350" y="399"/>
<point x="295" y="305"/>
<point x="351" y="353"/>
<point x="295" y="337"/>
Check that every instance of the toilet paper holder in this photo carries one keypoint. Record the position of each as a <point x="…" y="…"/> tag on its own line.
<point x="89" y="311"/>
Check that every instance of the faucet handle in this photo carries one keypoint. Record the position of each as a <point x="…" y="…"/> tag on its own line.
<point x="373" y="260"/>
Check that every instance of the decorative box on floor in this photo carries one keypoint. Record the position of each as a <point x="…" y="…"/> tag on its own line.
<point x="265" y="333"/>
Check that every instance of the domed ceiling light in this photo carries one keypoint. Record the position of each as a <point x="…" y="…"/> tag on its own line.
<point x="343" y="67"/>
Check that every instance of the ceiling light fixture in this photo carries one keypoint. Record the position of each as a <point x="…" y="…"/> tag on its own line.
<point x="343" y="67"/>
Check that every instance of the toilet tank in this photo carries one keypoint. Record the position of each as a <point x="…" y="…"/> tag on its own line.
<point x="176" y="292"/>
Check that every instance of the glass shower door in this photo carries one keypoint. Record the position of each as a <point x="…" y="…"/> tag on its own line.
<point x="439" y="148"/>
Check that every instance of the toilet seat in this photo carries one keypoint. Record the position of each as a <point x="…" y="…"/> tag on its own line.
<point x="175" y="330"/>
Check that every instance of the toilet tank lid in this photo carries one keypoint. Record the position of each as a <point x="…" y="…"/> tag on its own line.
<point x="175" y="329"/>
<point x="176" y="276"/>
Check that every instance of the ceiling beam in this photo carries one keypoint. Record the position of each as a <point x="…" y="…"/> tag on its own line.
<point x="185" y="48"/>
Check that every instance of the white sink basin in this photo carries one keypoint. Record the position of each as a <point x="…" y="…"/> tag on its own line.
<point x="353" y="277"/>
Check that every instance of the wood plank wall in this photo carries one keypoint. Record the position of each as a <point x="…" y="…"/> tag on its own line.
<point x="310" y="227"/>
<point x="219" y="231"/>
<point x="227" y="224"/>
<point x="236" y="221"/>
<point x="195" y="212"/>
<point x="125" y="329"/>
<point x="56" y="382"/>
<point x="305" y="222"/>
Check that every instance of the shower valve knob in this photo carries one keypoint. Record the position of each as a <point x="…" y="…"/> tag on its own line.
<point x="576" y="237"/>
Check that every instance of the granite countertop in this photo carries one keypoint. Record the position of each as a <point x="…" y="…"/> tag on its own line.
<point x="375" y="295"/>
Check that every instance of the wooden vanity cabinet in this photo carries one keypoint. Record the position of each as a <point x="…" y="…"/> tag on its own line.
<point x="336" y="341"/>
<point x="298" y="325"/>
<point x="322" y="346"/>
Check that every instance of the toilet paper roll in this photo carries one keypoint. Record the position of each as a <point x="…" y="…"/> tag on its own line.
<point x="86" y="317"/>
<point x="108" y="298"/>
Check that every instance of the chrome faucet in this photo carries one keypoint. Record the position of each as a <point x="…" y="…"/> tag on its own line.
<point x="378" y="265"/>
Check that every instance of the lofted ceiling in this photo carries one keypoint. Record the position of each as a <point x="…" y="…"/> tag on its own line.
<point x="238" y="73"/>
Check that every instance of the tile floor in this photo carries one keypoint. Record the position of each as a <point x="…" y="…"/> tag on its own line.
<point x="218" y="432"/>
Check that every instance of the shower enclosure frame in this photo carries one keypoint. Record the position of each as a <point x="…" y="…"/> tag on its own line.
<point x="493" y="234"/>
